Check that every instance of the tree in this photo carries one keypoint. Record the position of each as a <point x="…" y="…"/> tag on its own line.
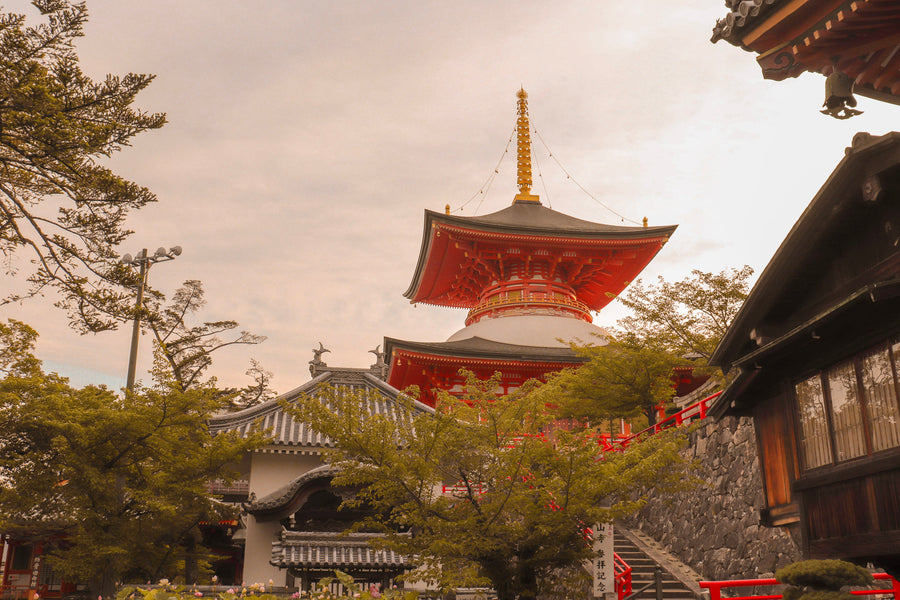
<point x="16" y="341"/>
<point x="119" y="482"/>
<point x="58" y="203"/>
<point x="188" y="349"/>
<point x="520" y="500"/>
<point x="687" y="317"/>
<point x="621" y="379"/>
<point x="673" y="324"/>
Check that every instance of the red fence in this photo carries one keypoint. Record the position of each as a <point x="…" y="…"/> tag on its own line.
<point x="694" y="412"/>
<point x="715" y="588"/>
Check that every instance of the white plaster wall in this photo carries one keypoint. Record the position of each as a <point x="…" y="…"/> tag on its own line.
<point x="269" y="472"/>
<point x="534" y="330"/>
<point x="258" y="551"/>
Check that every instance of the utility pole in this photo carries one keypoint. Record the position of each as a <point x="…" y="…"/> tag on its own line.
<point x="143" y="261"/>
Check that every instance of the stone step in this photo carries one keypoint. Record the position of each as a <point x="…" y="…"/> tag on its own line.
<point x="643" y="567"/>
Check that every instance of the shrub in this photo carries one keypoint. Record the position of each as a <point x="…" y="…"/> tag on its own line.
<point x="821" y="579"/>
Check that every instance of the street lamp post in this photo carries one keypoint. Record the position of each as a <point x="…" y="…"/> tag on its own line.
<point x="143" y="260"/>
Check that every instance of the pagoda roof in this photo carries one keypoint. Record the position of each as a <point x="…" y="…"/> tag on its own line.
<point x="476" y="347"/>
<point x="859" y="38"/>
<point x="290" y="435"/>
<point x="533" y="218"/>
<point x="531" y="223"/>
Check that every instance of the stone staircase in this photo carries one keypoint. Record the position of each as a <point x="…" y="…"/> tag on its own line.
<point x="678" y="581"/>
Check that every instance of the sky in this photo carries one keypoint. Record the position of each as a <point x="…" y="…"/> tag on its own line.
<point x="306" y="138"/>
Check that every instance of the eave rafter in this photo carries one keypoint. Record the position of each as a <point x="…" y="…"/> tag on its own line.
<point x="859" y="38"/>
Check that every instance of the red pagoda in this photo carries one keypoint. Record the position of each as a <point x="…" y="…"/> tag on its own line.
<point x="530" y="277"/>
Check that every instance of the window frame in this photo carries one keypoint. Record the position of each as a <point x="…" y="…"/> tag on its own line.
<point x="823" y="375"/>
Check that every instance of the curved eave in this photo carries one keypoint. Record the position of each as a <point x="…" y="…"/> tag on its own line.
<point x="805" y="239"/>
<point x="440" y="260"/>
<point x="406" y="359"/>
<point x="879" y="301"/>
<point x="860" y="39"/>
<point x="288" y="498"/>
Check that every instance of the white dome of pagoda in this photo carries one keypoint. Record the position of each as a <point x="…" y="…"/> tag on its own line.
<point x="547" y="331"/>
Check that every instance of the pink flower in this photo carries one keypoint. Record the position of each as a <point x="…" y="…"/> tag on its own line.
<point x="198" y="594"/>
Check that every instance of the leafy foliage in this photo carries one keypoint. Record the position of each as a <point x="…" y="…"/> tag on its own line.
<point x="16" y="341"/>
<point x="121" y="480"/>
<point x="672" y="324"/>
<point x="519" y="499"/>
<point x="58" y="203"/>
<point x="618" y="380"/>
<point x="686" y="317"/>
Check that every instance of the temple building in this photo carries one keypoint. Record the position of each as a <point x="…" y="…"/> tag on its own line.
<point x="815" y="352"/>
<point x="530" y="277"/>
<point x="292" y="530"/>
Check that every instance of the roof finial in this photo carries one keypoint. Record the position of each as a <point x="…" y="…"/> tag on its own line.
<point x="523" y="151"/>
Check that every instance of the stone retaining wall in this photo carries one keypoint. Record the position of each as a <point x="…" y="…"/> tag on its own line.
<point x="715" y="528"/>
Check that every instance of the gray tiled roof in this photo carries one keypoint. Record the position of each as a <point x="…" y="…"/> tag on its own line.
<point x="292" y="435"/>
<point x="314" y="549"/>
<point x="283" y="495"/>
<point x="741" y="14"/>
<point x="533" y="218"/>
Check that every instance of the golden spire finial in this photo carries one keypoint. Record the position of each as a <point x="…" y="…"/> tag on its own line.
<point x="523" y="151"/>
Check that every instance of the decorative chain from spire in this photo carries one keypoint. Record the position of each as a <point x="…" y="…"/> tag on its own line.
<point x="523" y="151"/>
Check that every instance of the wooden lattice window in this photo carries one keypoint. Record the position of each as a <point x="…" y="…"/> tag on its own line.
<point x="815" y="445"/>
<point x="851" y="409"/>
<point x="879" y="382"/>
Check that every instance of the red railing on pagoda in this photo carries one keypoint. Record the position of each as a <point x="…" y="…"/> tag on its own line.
<point x="715" y="588"/>
<point x="692" y="413"/>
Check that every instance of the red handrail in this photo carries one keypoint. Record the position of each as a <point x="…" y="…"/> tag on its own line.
<point x="715" y="588"/>
<point x="623" y="576"/>
<point x="697" y="410"/>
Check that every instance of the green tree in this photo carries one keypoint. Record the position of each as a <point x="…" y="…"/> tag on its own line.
<point x="686" y="317"/>
<point x="621" y="379"/>
<point x="672" y="324"/>
<point x="520" y="500"/>
<point x="59" y="206"/>
<point x="120" y="482"/>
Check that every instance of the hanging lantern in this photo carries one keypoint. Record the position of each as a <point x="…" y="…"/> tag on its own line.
<point x="839" y="96"/>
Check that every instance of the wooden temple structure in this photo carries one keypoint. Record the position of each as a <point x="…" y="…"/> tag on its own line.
<point x="816" y="354"/>
<point x="530" y="278"/>
<point x="855" y="43"/>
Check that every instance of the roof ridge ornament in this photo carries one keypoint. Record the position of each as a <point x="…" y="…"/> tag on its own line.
<point x="523" y="151"/>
